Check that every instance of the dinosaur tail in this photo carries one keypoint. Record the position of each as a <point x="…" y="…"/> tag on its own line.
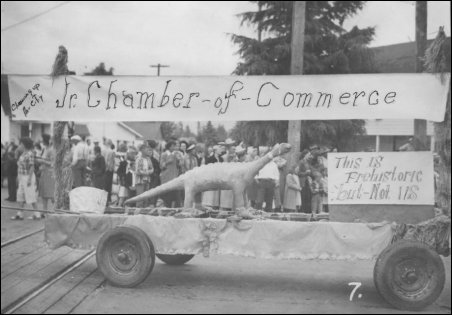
<point x="175" y="184"/>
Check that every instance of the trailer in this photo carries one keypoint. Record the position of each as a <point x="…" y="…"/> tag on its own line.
<point x="409" y="274"/>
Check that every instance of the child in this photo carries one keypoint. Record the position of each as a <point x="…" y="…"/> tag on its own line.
<point x="292" y="191"/>
<point x="317" y="192"/>
<point x="130" y="179"/>
<point x="325" y="189"/>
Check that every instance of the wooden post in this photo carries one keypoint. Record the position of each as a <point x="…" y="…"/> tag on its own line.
<point x="296" y="67"/>
<point x="420" y="125"/>
<point x="297" y="45"/>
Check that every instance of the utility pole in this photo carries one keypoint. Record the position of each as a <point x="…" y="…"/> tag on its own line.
<point x="296" y="67"/>
<point x="420" y="125"/>
<point x="158" y="66"/>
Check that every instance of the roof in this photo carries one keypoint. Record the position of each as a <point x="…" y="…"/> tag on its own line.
<point x="394" y="127"/>
<point x="145" y="130"/>
<point x="398" y="58"/>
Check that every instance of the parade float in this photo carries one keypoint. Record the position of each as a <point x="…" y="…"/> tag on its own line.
<point x="408" y="272"/>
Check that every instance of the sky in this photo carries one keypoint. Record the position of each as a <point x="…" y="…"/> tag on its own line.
<point x="191" y="37"/>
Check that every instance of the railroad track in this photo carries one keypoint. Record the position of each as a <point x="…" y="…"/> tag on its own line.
<point x="36" y="279"/>
<point x="14" y="240"/>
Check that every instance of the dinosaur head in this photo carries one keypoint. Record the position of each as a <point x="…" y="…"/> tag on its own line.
<point x="281" y="148"/>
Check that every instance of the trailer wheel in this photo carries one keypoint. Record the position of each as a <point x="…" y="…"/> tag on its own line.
<point x="175" y="259"/>
<point x="409" y="275"/>
<point x="125" y="256"/>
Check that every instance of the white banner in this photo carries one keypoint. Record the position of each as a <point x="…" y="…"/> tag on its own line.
<point x="309" y="97"/>
<point x="380" y="178"/>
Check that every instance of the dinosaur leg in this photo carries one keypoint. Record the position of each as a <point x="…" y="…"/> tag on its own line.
<point x="238" y="201"/>
<point x="198" y="200"/>
<point x="189" y="199"/>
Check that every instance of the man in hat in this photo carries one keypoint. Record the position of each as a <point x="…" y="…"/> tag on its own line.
<point x="110" y="156"/>
<point x="90" y="147"/>
<point x="230" y="155"/>
<point x="79" y="161"/>
<point x="240" y="151"/>
<point x="143" y="171"/>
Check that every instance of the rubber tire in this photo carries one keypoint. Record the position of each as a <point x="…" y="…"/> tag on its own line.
<point x="386" y="263"/>
<point x="145" y="251"/>
<point x="175" y="260"/>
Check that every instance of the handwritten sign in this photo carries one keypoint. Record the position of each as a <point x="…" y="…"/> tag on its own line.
<point x="140" y="98"/>
<point x="380" y="178"/>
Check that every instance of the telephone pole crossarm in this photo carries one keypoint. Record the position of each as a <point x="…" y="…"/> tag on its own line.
<point x="158" y="66"/>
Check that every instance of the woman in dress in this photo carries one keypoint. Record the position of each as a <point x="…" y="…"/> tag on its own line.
<point x="169" y="171"/>
<point x="66" y="173"/>
<point x="46" y="165"/>
<point x="26" y="193"/>
<point x="304" y="175"/>
<point x="292" y="191"/>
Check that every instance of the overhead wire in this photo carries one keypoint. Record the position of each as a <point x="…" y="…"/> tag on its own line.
<point x="35" y="16"/>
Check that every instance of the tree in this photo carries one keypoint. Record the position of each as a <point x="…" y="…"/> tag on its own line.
<point x="335" y="133"/>
<point x="221" y="132"/>
<point x="171" y="130"/>
<point x="187" y="132"/>
<point x="100" y="70"/>
<point x="61" y="198"/>
<point x="61" y="202"/>
<point x="179" y="131"/>
<point x="328" y="49"/>
<point x="437" y="60"/>
<point x="258" y="133"/>
<point x="208" y="135"/>
<point x="168" y="128"/>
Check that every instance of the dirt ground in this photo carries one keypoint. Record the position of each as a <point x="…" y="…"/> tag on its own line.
<point x="227" y="284"/>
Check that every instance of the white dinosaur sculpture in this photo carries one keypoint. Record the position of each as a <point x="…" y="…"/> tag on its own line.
<point x="226" y="176"/>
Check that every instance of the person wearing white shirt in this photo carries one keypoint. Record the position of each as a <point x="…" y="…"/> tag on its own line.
<point x="91" y="155"/>
<point x="79" y="161"/>
<point x="266" y="179"/>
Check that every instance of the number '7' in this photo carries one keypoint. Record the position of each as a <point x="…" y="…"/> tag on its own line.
<point x="357" y="285"/>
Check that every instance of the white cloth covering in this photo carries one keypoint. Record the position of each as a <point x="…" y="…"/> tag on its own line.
<point x="250" y="238"/>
